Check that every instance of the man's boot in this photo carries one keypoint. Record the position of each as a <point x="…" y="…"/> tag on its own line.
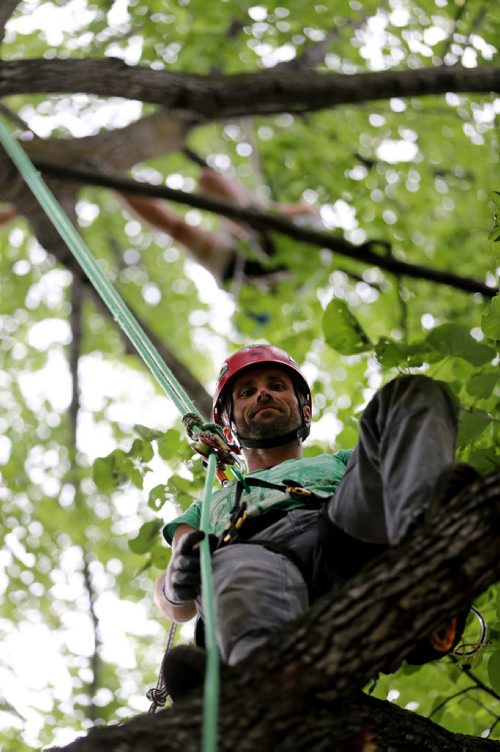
<point x="452" y="481"/>
<point x="183" y="670"/>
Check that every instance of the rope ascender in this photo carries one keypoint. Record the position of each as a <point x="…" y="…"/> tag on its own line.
<point x="207" y="437"/>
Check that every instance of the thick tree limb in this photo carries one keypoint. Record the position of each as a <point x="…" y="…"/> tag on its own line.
<point x="119" y="149"/>
<point x="214" y="97"/>
<point x="300" y="691"/>
<point x="328" y="727"/>
<point x="261" y="220"/>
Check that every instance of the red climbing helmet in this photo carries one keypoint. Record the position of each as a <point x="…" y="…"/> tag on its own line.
<point x="253" y="355"/>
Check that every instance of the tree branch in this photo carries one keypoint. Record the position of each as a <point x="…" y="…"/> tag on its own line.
<point x="300" y="690"/>
<point x="261" y="220"/>
<point x="480" y="684"/>
<point x="215" y="97"/>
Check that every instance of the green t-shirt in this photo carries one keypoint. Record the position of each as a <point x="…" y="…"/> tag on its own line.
<point x="320" y="474"/>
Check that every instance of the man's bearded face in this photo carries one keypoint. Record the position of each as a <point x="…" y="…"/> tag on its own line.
<point x="265" y="404"/>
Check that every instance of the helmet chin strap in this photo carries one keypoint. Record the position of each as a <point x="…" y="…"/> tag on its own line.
<point x="297" y="434"/>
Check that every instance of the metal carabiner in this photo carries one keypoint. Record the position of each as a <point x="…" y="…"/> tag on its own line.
<point x="475" y="647"/>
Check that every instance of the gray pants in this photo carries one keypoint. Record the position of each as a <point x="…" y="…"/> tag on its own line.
<point x="406" y="438"/>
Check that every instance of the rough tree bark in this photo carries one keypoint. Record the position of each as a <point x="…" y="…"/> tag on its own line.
<point x="301" y="691"/>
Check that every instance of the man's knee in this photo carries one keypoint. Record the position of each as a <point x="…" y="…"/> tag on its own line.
<point x="415" y="390"/>
<point x="418" y="382"/>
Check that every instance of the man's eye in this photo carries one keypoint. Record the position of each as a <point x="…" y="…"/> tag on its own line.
<point x="278" y="386"/>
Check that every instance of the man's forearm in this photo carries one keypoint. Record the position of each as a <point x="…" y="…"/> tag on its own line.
<point x="178" y="614"/>
<point x="185" y="611"/>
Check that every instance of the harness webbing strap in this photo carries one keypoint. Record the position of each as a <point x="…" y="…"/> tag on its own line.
<point x="167" y="381"/>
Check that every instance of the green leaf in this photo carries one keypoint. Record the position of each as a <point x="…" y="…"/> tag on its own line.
<point x="472" y="424"/>
<point x="178" y="483"/>
<point x="455" y="340"/>
<point x="490" y="321"/>
<point x="160" y="556"/>
<point x="181" y="490"/>
<point x="157" y="497"/>
<point x="142" y="450"/>
<point x="438" y="714"/>
<point x="494" y="671"/>
<point x="391" y="353"/>
<point x="148" y="434"/>
<point x="146" y="537"/>
<point x="108" y="472"/>
<point x="484" y="460"/>
<point x="494" y="233"/>
<point x="169" y="444"/>
<point x="482" y="384"/>
<point x="342" y="330"/>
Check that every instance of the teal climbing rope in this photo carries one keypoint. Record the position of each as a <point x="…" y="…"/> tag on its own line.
<point x="167" y="381"/>
<point x="211" y="688"/>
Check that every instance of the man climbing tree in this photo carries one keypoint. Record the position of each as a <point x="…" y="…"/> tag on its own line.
<point x="294" y="526"/>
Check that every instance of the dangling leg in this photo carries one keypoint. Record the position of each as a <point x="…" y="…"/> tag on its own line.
<point x="256" y="591"/>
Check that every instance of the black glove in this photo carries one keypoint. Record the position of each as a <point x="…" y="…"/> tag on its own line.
<point x="183" y="577"/>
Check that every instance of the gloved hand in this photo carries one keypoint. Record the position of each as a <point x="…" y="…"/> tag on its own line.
<point x="183" y="577"/>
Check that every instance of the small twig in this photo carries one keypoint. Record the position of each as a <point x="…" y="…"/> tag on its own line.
<point x="480" y="684"/>
<point x="450" y="698"/>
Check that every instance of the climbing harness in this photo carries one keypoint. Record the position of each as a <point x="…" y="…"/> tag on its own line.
<point x="215" y="455"/>
<point x="246" y="521"/>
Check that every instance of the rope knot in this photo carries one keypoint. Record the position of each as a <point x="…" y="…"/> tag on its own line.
<point x="208" y="438"/>
<point x="192" y="423"/>
<point x="158" y="697"/>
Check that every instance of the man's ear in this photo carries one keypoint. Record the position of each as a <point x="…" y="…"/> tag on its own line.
<point x="228" y="434"/>
<point x="306" y="410"/>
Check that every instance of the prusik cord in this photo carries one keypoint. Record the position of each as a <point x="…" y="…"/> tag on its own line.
<point x="165" y="378"/>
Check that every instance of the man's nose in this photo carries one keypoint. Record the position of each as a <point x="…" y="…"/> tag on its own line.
<point x="262" y="392"/>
